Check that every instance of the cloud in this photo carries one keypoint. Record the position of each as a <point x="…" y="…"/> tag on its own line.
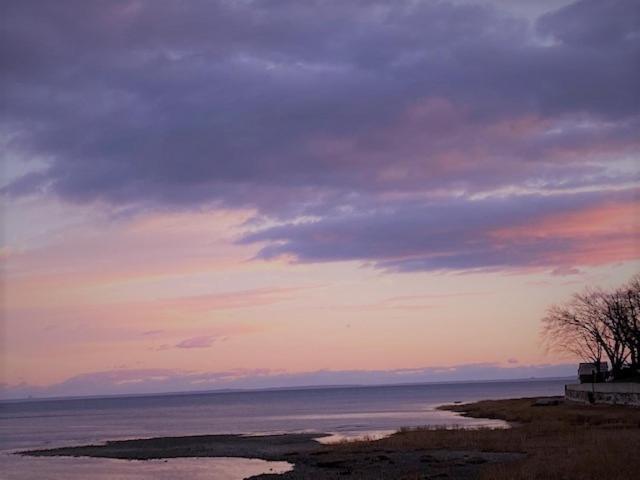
<point x="140" y="381"/>
<point x="151" y="332"/>
<point x="574" y="24"/>
<point x="284" y="105"/>
<point x="526" y="231"/>
<point x="564" y="271"/>
<point x="229" y="300"/>
<point x="203" y="341"/>
<point x="394" y="118"/>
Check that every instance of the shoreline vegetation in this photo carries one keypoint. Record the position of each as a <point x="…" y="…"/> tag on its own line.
<point x="549" y="439"/>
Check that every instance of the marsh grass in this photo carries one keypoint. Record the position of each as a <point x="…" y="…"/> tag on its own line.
<point x="561" y="442"/>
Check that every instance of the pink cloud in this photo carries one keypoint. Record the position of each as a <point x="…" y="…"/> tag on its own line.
<point x="601" y="234"/>
<point x="152" y="332"/>
<point x="204" y="341"/>
<point x="229" y="300"/>
<point x="106" y="250"/>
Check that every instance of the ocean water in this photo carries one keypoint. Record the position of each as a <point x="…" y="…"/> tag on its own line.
<point x="344" y="412"/>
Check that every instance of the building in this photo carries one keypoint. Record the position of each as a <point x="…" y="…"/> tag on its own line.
<point x="593" y="372"/>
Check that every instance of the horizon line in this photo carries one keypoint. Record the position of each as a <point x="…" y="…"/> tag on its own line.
<point x="33" y="398"/>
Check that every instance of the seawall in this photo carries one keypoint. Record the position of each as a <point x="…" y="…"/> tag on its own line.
<point x="610" y="393"/>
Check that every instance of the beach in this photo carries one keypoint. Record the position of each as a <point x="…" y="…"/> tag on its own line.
<point x="552" y="440"/>
<point x="345" y="413"/>
<point x="309" y="458"/>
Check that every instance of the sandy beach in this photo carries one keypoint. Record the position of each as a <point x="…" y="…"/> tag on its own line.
<point x="550" y="441"/>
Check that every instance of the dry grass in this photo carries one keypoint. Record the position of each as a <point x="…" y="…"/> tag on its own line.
<point x="561" y="442"/>
<point x="580" y="453"/>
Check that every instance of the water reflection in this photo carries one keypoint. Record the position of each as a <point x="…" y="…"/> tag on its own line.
<point x="15" y="467"/>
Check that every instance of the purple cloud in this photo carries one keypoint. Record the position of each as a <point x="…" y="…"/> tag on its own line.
<point x="453" y="235"/>
<point x="204" y="341"/>
<point x="276" y="104"/>
<point x="392" y="117"/>
<point x="140" y="381"/>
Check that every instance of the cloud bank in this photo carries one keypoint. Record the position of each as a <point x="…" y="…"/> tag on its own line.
<point x="144" y="381"/>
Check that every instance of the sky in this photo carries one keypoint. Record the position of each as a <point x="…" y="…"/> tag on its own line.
<point x="250" y="194"/>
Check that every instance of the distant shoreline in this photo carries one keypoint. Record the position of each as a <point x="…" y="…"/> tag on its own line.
<point x="274" y="389"/>
<point x="561" y="437"/>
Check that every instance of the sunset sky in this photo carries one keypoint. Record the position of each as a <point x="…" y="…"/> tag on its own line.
<point x="238" y="194"/>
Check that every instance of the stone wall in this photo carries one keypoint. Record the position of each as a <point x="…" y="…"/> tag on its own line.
<point x="611" y="393"/>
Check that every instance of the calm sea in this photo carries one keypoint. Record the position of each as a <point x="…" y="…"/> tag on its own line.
<point x="343" y="411"/>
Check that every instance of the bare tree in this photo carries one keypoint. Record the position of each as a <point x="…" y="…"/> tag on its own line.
<point x="626" y="310"/>
<point x="603" y="308"/>
<point x="596" y="324"/>
<point x="566" y="331"/>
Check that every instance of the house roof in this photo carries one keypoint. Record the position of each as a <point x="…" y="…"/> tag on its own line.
<point x="590" y="367"/>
